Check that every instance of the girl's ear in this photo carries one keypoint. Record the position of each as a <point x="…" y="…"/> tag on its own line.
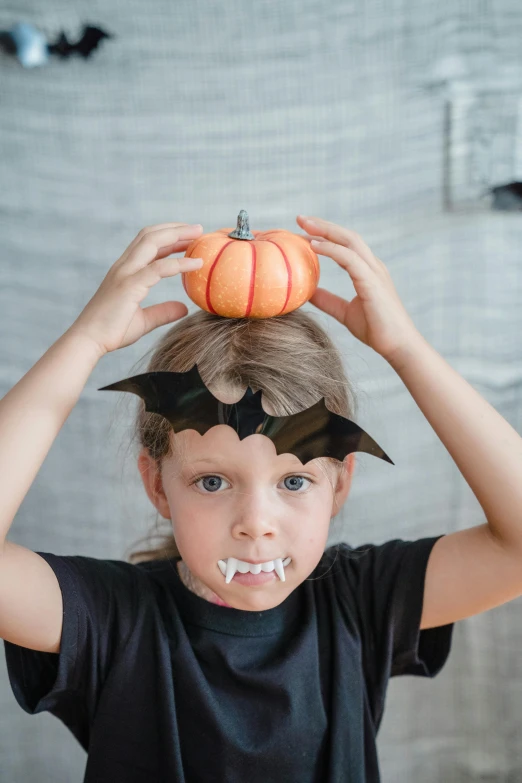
<point x="344" y="483"/>
<point x="151" y="476"/>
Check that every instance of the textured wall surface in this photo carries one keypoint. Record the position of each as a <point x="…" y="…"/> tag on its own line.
<point x="367" y="114"/>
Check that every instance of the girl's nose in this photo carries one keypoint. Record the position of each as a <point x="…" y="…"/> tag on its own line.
<point x="254" y="519"/>
<point x="255" y="527"/>
<point x="255" y="515"/>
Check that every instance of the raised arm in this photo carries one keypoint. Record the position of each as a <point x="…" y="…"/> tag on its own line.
<point x="33" y="412"/>
<point x="31" y="416"/>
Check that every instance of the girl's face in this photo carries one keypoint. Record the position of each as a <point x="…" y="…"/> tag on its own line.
<point x="239" y="498"/>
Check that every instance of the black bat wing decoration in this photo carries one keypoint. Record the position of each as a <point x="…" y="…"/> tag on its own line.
<point x="30" y="45"/>
<point x="186" y="403"/>
<point x="90" y="40"/>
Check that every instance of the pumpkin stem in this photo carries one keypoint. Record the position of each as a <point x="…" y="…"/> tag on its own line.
<point x="242" y="231"/>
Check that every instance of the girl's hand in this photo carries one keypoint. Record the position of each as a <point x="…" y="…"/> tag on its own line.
<point x="113" y="317"/>
<point x="376" y="316"/>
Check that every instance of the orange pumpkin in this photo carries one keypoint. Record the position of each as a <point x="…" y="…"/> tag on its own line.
<point x="247" y="274"/>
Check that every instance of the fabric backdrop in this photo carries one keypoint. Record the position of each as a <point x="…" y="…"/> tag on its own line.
<point x="380" y="116"/>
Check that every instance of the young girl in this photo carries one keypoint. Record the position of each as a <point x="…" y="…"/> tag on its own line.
<point x="165" y="669"/>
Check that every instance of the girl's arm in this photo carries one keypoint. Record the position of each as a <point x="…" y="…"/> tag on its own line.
<point x="476" y="569"/>
<point x="32" y="414"/>
<point x="471" y="570"/>
<point x="33" y="411"/>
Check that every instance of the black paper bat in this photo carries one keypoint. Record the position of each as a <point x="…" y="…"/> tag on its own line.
<point x="31" y="47"/>
<point x="89" y="41"/>
<point x="186" y="403"/>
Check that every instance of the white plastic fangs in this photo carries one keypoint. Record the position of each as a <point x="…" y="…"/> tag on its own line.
<point x="229" y="567"/>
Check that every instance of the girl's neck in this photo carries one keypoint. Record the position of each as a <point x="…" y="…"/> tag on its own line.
<point x="196" y="586"/>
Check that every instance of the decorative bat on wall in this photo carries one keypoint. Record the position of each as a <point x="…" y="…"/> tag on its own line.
<point x="30" y="46"/>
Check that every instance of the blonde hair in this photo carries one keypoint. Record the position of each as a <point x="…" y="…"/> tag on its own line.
<point x="290" y="358"/>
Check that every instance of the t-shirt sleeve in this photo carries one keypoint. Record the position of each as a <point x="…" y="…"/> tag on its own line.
<point x="100" y="605"/>
<point x="388" y="580"/>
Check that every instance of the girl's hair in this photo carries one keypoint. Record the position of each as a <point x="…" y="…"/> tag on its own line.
<point x="289" y="357"/>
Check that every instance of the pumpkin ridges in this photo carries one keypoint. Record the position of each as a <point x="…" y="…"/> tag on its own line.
<point x="313" y="259"/>
<point x="315" y="265"/>
<point x="252" y="282"/>
<point x="288" y="272"/>
<point x="270" y="285"/>
<point x="241" y="282"/>
<point x="211" y="272"/>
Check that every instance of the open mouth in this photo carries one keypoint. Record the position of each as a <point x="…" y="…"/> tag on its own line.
<point x="232" y="565"/>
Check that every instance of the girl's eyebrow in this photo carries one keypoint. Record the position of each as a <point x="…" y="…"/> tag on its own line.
<point x="217" y="461"/>
<point x="205" y="460"/>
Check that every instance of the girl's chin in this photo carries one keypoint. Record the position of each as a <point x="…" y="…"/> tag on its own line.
<point x="219" y="601"/>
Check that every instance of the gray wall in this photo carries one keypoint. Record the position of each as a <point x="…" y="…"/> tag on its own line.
<point x="375" y="115"/>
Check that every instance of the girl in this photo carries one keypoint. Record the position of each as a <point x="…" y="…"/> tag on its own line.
<point x="163" y="669"/>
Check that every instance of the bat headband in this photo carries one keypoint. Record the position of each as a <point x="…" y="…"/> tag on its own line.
<point x="183" y="399"/>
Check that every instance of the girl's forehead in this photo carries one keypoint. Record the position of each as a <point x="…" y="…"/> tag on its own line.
<point x="220" y="449"/>
<point x="220" y="437"/>
<point x="222" y="445"/>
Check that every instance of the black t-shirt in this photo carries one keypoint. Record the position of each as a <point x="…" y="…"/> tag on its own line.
<point x="158" y="684"/>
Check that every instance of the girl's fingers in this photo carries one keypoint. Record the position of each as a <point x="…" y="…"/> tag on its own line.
<point x="154" y="245"/>
<point x="309" y="237"/>
<point x="348" y="259"/>
<point x="152" y="273"/>
<point x="177" y="247"/>
<point x="342" y="236"/>
<point x="162" y="314"/>
<point x="331" y="304"/>
<point x="147" y="229"/>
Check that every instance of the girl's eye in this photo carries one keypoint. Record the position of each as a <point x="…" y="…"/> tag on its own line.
<point x="210" y="482"/>
<point x="293" y="479"/>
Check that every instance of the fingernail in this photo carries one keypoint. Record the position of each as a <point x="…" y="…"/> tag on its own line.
<point x="310" y="222"/>
<point x="192" y="262"/>
<point x="317" y="241"/>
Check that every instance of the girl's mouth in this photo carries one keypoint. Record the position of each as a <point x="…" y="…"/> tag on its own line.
<point x="232" y="566"/>
<point x="254" y="579"/>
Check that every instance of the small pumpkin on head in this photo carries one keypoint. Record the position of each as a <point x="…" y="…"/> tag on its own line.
<point x="251" y="274"/>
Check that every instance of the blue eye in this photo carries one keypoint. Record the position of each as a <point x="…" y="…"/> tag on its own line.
<point x="294" y="478"/>
<point x="210" y="486"/>
<point x="212" y="482"/>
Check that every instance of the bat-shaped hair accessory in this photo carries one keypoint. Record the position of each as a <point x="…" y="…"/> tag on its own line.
<point x="183" y="399"/>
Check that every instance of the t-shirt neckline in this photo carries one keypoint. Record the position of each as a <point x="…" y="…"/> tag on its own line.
<point x="240" y="622"/>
